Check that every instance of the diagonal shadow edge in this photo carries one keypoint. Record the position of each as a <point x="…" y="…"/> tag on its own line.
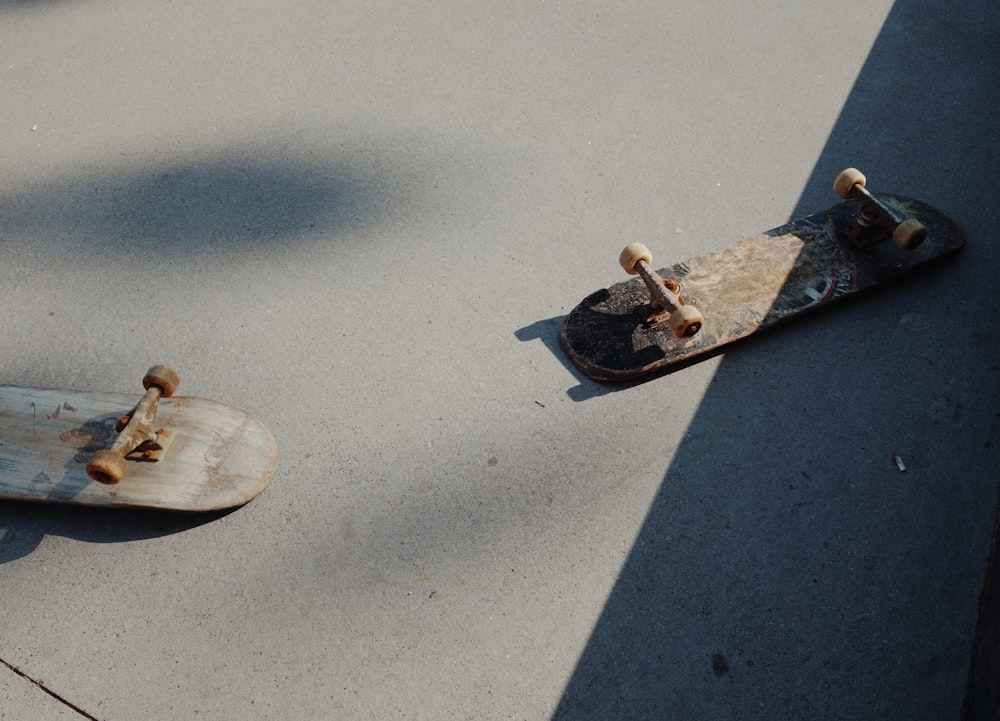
<point x="655" y="650"/>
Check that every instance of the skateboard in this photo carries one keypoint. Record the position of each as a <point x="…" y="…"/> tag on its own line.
<point x="665" y="319"/>
<point x="149" y="451"/>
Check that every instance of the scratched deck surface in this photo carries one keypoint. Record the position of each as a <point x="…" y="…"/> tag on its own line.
<point x="219" y="457"/>
<point x="746" y="287"/>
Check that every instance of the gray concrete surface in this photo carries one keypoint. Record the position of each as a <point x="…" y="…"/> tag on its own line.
<point x="24" y="700"/>
<point x="363" y="222"/>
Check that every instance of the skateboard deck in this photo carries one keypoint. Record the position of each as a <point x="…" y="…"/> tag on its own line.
<point x="754" y="284"/>
<point x="217" y="457"/>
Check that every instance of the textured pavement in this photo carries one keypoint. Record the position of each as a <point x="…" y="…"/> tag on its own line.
<point x="363" y="223"/>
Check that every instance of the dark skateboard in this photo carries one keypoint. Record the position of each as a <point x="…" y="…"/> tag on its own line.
<point x="664" y="319"/>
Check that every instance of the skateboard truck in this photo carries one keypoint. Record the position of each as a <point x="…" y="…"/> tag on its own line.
<point x="138" y="439"/>
<point x="874" y="215"/>
<point x="665" y="302"/>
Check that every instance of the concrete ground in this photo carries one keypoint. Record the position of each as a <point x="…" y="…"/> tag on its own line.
<point x="363" y="223"/>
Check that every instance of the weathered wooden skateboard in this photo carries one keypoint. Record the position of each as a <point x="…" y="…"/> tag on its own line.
<point x="666" y="318"/>
<point x="153" y="451"/>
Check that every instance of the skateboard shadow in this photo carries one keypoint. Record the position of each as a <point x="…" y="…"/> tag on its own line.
<point x="25" y="524"/>
<point x="547" y="331"/>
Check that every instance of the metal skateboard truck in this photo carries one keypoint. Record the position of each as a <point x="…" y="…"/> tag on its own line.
<point x="137" y="439"/>
<point x="665" y="300"/>
<point x="875" y="216"/>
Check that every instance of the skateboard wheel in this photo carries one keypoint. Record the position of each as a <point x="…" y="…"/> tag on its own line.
<point x="631" y="255"/>
<point x="847" y="180"/>
<point x="163" y="377"/>
<point x="909" y="234"/>
<point x="686" y="321"/>
<point x="107" y="467"/>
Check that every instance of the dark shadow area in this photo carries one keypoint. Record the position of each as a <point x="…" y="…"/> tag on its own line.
<point x="787" y="567"/>
<point x="211" y="206"/>
<point x="982" y="701"/>
<point x="23" y="525"/>
<point x="921" y="117"/>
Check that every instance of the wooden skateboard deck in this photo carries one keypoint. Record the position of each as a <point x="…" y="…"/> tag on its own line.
<point x="218" y="456"/>
<point x="749" y="286"/>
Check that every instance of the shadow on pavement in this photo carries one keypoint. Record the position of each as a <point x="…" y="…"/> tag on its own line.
<point x="787" y="568"/>
<point x="200" y="211"/>
<point x="547" y="331"/>
<point x="197" y="207"/>
<point x="24" y="525"/>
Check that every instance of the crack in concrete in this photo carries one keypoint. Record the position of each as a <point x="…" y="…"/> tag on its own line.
<point x="50" y="692"/>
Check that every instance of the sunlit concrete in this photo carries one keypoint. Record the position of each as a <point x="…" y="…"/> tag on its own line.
<point x="363" y="223"/>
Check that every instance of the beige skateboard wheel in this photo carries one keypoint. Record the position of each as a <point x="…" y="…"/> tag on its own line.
<point x="909" y="234"/>
<point x="163" y="377"/>
<point x="107" y="467"/>
<point x="686" y="321"/>
<point x="846" y="180"/>
<point x="631" y="255"/>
